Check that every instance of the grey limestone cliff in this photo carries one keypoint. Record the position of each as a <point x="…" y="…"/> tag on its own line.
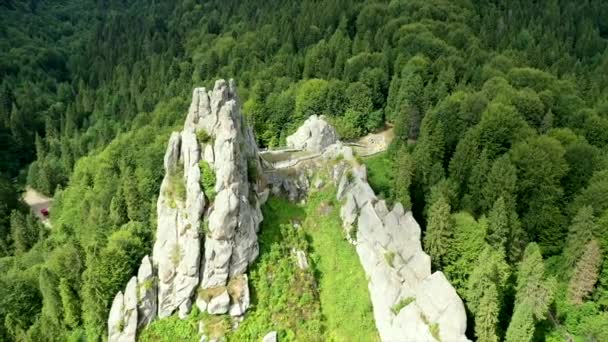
<point x="208" y="216"/>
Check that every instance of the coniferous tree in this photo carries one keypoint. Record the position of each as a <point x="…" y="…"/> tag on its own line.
<point x="486" y="319"/>
<point x="404" y="170"/>
<point x="585" y="273"/>
<point x="438" y="231"/>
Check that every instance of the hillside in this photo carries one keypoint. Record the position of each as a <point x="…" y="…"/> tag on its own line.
<point x="499" y="111"/>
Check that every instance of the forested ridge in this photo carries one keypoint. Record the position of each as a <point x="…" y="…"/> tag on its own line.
<point x="500" y="110"/>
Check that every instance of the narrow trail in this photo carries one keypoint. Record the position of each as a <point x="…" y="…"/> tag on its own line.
<point x="366" y="146"/>
<point x="37" y="201"/>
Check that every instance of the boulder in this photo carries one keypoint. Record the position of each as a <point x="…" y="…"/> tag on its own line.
<point x="302" y="261"/>
<point x="239" y="293"/>
<point x="219" y="304"/>
<point x="314" y="135"/>
<point x="270" y="337"/>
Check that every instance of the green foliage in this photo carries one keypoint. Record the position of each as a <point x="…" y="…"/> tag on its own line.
<point x="286" y="298"/>
<point x="380" y="173"/>
<point x="92" y="117"/>
<point x="585" y="273"/>
<point x="401" y="304"/>
<point x="203" y="137"/>
<point x="207" y="179"/>
<point x="439" y="231"/>
<point x="176" y="187"/>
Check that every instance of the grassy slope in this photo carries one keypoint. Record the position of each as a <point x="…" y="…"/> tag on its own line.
<point x="343" y="289"/>
<point x="329" y="302"/>
<point x="380" y="174"/>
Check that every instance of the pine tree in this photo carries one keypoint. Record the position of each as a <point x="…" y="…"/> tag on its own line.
<point x="438" y="231"/>
<point x="522" y="326"/>
<point x="580" y="232"/>
<point x="501" y="181"/>
<point x="486" y="319"/>
<point x="585" y="273"/>
<point x="498" y="225"/>
<point x="49" y="287"/>
<point x="533" y="296"/>
<point x="489" y="270"/>
<point x="404" y="170"/>
<point x="70" y="302"/>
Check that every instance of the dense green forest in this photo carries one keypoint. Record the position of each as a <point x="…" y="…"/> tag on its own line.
<point x="500" y="110"/>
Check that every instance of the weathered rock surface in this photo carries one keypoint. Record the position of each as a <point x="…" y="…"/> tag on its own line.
<point x="314" y="135"/>
<point x="219" y="304"/>
<point x="146" y="283"/>
<point x="389" y="248"/>
<point x="239" y="293"/>
<point x="224" y="218"/>
<point x="122" y="322"/>
<point x="388" y="244"/>
<point x="180" y="205"/>
<point x="270" y="337"/>
<point x="235" y="215"/>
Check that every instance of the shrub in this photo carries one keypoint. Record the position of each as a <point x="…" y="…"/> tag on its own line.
<point x="252" y="170"/>
<point x="207" y="179"/>
<point x="203" y="137"/>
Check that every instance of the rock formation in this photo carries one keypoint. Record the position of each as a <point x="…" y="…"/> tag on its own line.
<point x="410" y="303"/>
<point x="314" y="135"/>
<point x="208" y="217"/>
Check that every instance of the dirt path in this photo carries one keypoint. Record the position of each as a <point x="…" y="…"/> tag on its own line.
<point x="37" y="201"/>
<point x="374" y="142"/>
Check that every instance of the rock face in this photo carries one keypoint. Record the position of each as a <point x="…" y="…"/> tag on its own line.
<point x="234" y="217"/>
<point x="314" y="135"/>
<point x="146" y="283"/>
<point x="208" y="216"/>
<point x="410" y="303"/>
<point x="122" y="323"/>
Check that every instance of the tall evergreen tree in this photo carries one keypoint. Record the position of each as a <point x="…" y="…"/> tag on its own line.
<point x="438" y="231"/>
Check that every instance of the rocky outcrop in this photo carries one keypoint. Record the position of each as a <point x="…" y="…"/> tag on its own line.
<point x="122" y="323"/>
<point x="146" y="286"/>
<point x="233" y="218"/>
<point x="409" y="303"/>
<point x="314" y="135"/>
<point x="208" y="214"/>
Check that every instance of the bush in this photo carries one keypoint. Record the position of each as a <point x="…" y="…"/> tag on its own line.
<point x="207" y="179"/>
<point x="203" y="137"/>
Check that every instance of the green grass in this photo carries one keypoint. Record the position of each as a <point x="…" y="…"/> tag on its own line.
<point x="171" y="329"/>
<point x="327" y="302"/>
<point x="343" y="292"/>
<point x="401" y="304"/>
<point x="380" y="174"/>
<point x="283" y="297"/>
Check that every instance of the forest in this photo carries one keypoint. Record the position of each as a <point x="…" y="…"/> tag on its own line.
<point x="500" y="110"/>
